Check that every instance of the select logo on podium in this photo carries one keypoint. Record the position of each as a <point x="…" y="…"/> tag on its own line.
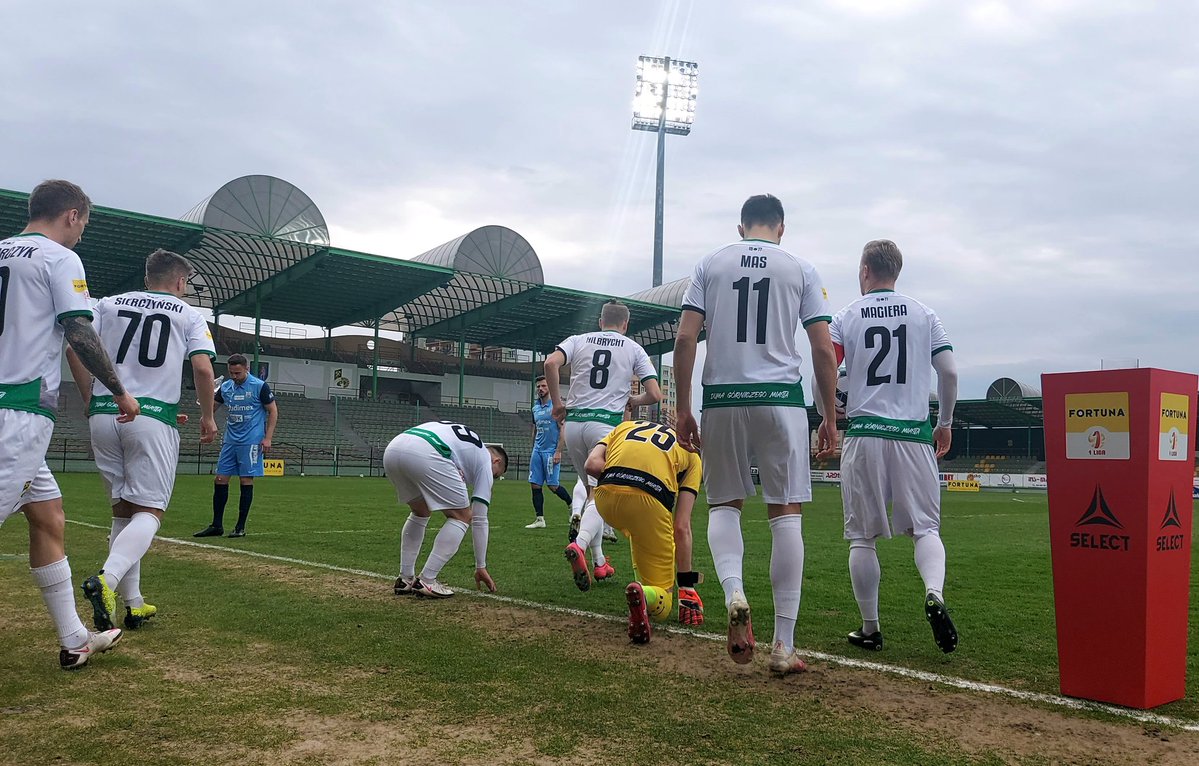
<point x="1175" y="425"/>
<point x="1171" y="538"/>
<point x="1099" y="514"/>
<point x="1097" y="426"/>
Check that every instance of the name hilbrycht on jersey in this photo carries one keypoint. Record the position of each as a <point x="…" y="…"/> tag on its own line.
<point x="151" y="303"/>
<point x="17" y="251"/>
<point x="882" y="312"/>
<point x="601" y="340"/>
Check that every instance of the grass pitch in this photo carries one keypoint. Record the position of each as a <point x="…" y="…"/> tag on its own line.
<point x="265" y="662"/>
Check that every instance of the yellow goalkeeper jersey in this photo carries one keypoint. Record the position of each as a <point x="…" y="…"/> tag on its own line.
<point x="647" y="456"/>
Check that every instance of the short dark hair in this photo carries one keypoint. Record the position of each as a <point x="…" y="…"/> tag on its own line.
<point x="762" y="210"/>
<point x="50" y="199"/>
<point x="163" y="265"/>
<point x="538" y="379"/>
<point x="883" y="258"/>
<point x="237" y="359"/>
<point x="613" y="313"/>
<point x="497" y="449"/>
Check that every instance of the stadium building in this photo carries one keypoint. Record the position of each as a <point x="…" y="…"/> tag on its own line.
<point x="360" y="346"/>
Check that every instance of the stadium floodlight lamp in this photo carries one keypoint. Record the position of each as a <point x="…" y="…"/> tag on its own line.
<point x="665" y="96"/>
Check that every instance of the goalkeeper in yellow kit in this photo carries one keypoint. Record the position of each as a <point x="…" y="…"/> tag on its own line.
<point x="647" y="488"/>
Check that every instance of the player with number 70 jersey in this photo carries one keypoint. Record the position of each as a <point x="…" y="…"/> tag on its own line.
<point x="148" y="334"/>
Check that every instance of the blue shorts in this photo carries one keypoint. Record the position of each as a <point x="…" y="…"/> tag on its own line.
<point x="240" y="460"/>
<point x="543" y="469"/>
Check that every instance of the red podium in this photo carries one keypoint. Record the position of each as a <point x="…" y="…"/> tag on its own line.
<point x="1120" y="463"/>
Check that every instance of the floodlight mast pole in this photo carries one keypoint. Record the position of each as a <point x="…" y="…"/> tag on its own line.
<point x="660" y="193"/>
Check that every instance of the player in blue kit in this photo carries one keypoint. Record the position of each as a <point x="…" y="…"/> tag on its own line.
<point x="546" y="461"/>
<point x="249" y="429"/>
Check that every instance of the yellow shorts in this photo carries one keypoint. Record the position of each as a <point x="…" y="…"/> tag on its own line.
<point x="649" y="527"/>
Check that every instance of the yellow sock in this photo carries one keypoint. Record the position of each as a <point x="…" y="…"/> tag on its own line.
<point x="658" y="602"/>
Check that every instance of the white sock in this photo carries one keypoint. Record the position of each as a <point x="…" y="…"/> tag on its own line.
<point x="786" y="575"/>
<point x="728" y="549"/>
<point x="128" y="547"/>
<point x="410" y="543"/>
<point x="591" y="530"/>
<point x="930" y="562"/>
<point x="865" y="574"/>
<point x="130" y="586"/>
<point x="445" y="545"/>
<point x="118" y="526"/>
<point x="59" y="595"/>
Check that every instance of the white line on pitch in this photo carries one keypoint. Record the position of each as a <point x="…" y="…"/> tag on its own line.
<point x="834" y="659"/>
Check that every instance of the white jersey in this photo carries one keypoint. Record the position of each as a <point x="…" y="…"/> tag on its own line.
<point x="148" y="335"/>
<point x="41" y="283"/>
<point x="754" y="296"/>
<point x="465" y="449"/>
<point x="889" y="341"/>
<point x="602" y="367"/>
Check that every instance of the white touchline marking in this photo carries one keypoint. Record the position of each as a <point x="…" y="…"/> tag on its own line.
<point x="920" y="675"/>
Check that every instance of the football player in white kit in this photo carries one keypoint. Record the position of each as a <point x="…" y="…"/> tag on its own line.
<point x="431" y="466"/>
<point x="44" y="298"/>
<point x="752" y="296"/>
<point x="892" y="344"/>
<point x="148" y="333"/>
<point x="602" y="367"/>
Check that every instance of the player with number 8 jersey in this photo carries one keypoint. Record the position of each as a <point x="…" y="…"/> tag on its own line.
<point x="442" y="466"/>
<point x="602" y="367"/>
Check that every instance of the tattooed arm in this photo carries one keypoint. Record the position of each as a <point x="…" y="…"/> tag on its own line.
<point x="86" y="344"/>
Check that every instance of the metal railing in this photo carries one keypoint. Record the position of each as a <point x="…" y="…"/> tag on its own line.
<point x="75" y="456"/>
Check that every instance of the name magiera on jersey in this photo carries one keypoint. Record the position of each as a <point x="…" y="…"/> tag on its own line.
<point x="150" y="303"/>
<point x="882" y="312"/>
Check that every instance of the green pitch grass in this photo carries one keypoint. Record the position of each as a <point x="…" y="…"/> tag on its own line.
<point x="369" y="662"/>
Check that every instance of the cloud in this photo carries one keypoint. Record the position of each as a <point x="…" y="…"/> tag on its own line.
<point x="1032" y="158"/>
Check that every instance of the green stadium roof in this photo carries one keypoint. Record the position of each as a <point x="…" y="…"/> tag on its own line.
<point x="484" y="287"/>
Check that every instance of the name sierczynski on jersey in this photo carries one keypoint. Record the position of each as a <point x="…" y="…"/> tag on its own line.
<point x="151" y="303"/>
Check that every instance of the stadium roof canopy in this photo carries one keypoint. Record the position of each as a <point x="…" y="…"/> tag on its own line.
<point x="261" y="248"/>
<point x="1008" y="405"/>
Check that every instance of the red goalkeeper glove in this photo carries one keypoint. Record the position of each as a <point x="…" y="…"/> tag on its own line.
<point x="691" y="607"/>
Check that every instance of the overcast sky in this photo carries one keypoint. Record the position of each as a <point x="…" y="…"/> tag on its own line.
<point x="1033" y="159"/>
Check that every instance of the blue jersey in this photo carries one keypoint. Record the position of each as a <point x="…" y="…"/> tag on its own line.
<point x="245" y="422"/>
<point x="547" y="428"/>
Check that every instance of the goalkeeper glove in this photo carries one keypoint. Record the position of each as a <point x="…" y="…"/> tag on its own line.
<point x="691" y="607"/>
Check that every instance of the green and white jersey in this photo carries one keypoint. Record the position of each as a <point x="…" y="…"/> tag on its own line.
<point x="602" y="367"/>
<point x="41" y="283"/>
<point x="889" y="341"/>
<point x="465" y="449"/>
<point x="147" y="335"/>
<point x="755" y="296"/>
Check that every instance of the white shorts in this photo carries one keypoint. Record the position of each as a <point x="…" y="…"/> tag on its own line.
<point x="581" y="438"/>
<point x="24" y="437"/>
<point x="877" y="471"/>
<point x="44" y="487"/>
<point x="137" y="459"/>
<point x="418" y="471"/>
<point x="776" y="438"/>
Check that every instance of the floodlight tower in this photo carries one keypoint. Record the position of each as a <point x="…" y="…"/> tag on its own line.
<point x="664" y="103"/>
